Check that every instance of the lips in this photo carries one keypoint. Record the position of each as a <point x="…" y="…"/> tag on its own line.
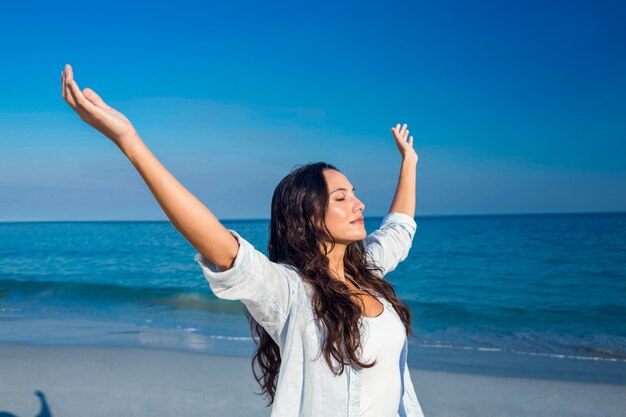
<point x="359" y="220"/>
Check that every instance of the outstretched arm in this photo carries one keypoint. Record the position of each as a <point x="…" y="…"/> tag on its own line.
<point x="404" y="199"/>
<point x="187" y="214"/>
<point x="390" y="244"/>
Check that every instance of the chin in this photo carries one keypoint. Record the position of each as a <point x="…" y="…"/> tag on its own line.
<point x="358" y="237"/>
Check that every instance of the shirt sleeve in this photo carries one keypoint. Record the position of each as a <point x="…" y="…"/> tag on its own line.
<point x="265" y="288"/>
<point x="390" y="244"/>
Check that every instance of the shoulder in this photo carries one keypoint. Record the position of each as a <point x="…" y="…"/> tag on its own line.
<point x="305" y="288"/>
<point x="292" y="275"/>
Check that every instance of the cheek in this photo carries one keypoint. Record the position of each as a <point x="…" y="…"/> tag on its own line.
<point x="336" y="218"/>
<point x="333" y="217"/>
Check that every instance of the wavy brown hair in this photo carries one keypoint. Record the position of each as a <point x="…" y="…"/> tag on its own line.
<point x="296" y="238"/>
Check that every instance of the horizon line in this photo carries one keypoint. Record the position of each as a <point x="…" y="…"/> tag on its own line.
<point x="259" y="219"/>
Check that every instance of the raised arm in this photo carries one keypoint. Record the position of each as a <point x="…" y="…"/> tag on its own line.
<point x="404" y="199"/>
<point x="188" y="215"/>
<point x="390" y="244"/>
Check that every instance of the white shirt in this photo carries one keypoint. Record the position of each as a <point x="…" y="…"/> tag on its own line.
<point x="382" y="339"/>
<point x="277" y="297"/>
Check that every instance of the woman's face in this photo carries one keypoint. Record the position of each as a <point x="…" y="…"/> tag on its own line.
<point x="343" y="209"/>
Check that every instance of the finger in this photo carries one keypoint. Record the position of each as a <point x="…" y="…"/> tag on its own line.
<point x="70" y="72"/>
<point x="402" y="130"/>
<point x="406" y="134"/>
<point x="69" y="97"/>
<point x="95" y="98"/>
<point x="411" y="141"/>
<point x="395" y="130"/>
<point x="80" y="98"/>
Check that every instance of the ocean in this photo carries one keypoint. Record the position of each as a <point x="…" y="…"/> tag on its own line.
<point x="512" y="294"/>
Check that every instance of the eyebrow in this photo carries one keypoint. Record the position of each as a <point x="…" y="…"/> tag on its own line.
<point x="343" y="189"/>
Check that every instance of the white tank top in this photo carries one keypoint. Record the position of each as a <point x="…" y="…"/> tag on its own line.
<point x="383" y="338"/>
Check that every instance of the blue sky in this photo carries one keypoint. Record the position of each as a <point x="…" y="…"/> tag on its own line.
<point x="514" y="107"/>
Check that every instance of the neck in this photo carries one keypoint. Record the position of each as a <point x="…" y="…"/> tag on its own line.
<point x="335" y="261"/>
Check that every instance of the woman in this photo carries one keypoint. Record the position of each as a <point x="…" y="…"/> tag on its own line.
<point x="331" y="334"/>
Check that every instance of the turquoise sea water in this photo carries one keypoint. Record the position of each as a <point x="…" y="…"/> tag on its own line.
<point x="537" y="286"/>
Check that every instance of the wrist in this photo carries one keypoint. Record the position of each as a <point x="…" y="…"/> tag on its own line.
<point x="130" y="145"/>
<point x="409" y="159"/>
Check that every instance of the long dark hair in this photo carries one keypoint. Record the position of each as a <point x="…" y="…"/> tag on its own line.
<point x="296" y="237"/>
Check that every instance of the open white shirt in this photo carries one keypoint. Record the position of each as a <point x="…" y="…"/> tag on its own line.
<point x="280" y="301"/>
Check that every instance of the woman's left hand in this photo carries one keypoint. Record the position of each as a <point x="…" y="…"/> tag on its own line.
<point x="405" y="147"/>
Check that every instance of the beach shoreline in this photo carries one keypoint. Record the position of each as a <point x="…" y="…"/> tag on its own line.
<point x="137" y="381"/>
<point x="23" y="330"/>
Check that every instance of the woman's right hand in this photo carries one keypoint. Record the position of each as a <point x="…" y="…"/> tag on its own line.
<point x="93" y="110"/>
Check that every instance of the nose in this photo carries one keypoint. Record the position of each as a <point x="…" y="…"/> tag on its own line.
<point x="360" y="205"/>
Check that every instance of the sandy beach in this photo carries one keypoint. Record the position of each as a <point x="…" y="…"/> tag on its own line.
<point x="105" y="381"/>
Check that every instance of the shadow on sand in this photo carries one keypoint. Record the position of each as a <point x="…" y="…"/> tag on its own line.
<point x="45" y="411"/>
